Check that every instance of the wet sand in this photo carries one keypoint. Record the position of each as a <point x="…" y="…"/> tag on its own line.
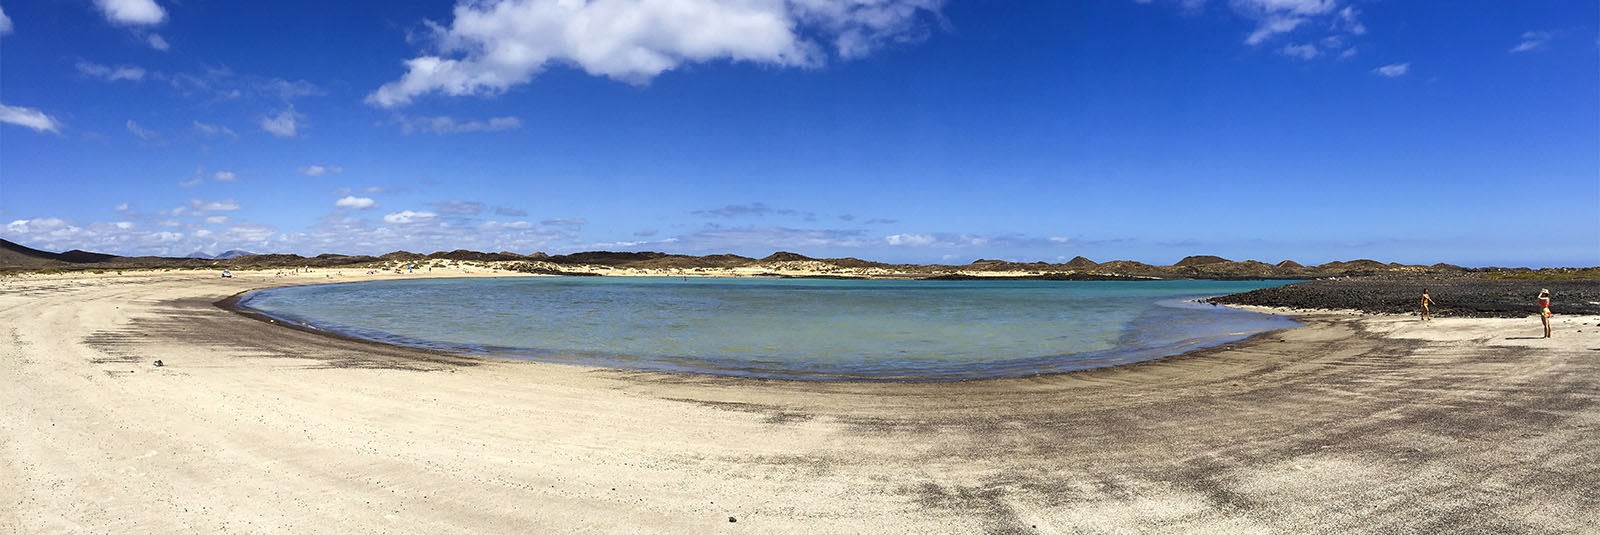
<point x="1355" y="422"/>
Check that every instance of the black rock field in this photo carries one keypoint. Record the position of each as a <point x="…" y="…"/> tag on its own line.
<point x="1452" y="296"/>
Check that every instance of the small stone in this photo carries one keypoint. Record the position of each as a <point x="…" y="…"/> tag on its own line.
<point x="159" y="364"/>
<point x="732" y="519"/>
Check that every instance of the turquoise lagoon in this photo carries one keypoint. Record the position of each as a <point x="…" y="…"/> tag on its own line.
<point x="822" y="329"/>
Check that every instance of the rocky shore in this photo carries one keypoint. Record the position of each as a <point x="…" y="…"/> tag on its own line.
<point x="1460" y="296"/>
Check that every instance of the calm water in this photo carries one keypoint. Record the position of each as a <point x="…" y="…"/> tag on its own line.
<point x="785" y="328"/>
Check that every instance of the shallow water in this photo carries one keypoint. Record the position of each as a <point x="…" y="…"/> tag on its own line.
<point x="785" y="328"/>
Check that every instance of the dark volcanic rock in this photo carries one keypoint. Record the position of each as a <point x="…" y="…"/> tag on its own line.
<point x="403" y="256"/>
<point x="604" y="258"/>
<point x="785" y="256"/>
<point x="1079" y="262"/>
<point x="1200" y="261"/>
<point x="474" y="256"/>
<point x="1452" y="296"/>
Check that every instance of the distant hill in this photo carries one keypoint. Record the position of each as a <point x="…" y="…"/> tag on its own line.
<point x="14" y="256"/>
<point x="18" y="256"/>
<point x="198" y="254"/>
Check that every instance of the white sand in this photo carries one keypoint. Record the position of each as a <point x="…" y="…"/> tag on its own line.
<point x="1354" y="423"/>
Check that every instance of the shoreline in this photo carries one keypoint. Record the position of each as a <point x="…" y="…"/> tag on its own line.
<point x="1353" y="422"/>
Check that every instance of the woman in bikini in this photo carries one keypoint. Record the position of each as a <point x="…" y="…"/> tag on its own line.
<point x="1425" y="302"/>
<point x="1544" y="310"/>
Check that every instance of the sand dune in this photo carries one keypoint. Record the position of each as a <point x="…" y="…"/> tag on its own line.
<point x="1372" y="423"/>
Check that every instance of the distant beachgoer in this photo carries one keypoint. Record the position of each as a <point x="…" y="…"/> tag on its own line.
<point x="1425" y="302"/>
<point x="1544" y="310"/>
<point x="227" y="274"/>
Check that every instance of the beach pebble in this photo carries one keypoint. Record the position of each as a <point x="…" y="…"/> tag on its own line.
<point x="732" y="519"/>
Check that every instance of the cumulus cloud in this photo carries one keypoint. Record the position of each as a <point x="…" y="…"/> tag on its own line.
<point x="1393" y="70"/>
<point x="132" y="12"/>
<point x="225" y="176"/>
<point x="506" y="225"/>
<point x="1531" y="41"/>
<point x="157" y="42"/>
<point x="168" y="238"/>
<point x="319" y="170"/>
<point x="492" y="45"/>
<point x="909" y="239"/>
<point x="110" y="74"/>
<point x="451" y="125"/>
<point x="281" y="125"/>
<point x="5" y="22"/>
<point x="30" y="118"/>
<point x="355" y="203"/>
<point x="214" y="130"/>
<point x="408" y="216"/>
<point x="509" y="212"/>
<point x="200" y="206"/>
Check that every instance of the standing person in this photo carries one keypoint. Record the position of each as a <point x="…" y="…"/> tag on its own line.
<point x="1425" y="302"/>
<point x="1544" y="310"/>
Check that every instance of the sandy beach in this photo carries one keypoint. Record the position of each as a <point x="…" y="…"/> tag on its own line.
<point x="1355" y="422"/>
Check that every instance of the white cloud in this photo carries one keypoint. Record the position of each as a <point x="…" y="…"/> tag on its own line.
<point x="191" y="182"/>
<point x="1272" y="26"/>
<point x="216" y="219"/>
<point x="458" y="207"/>
<point x="281" y="125"/>
<point x="30" y="118"/>
<point x="356" y="203"/>
<point x="511" y="225"/>
<point x="492" y="45"/>
<point x="201" y="206"/>
<point x="214" y="130"/>
<point x="909" y="239"/>
<point x="157" y="42"/>
<point x="450" y="125"/>
<point x="143" y="133"/>
<point x="1276" y="17"/>
<point x="408" y="216"/>
<point x="1348" y="22"/>
<point x="1393" y="70"/>
<point x="225" y="176"/>
<point x="319" y="170"/>
<point x="1305" y="51"/>
<point x="5" y="22"/>
<point x="127" y="238"/>
<point x="1532" y="41"/>
<point x="132" y="12"/>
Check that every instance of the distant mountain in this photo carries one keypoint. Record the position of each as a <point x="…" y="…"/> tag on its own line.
<point x="200" y="255"/>
<point x="13" y="255"/>
<point x="235" y="253"/>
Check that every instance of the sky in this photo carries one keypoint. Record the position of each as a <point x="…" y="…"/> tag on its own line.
<point x="924" y="131"/>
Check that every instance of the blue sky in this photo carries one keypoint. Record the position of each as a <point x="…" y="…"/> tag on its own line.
<point x="898" y="130"/>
